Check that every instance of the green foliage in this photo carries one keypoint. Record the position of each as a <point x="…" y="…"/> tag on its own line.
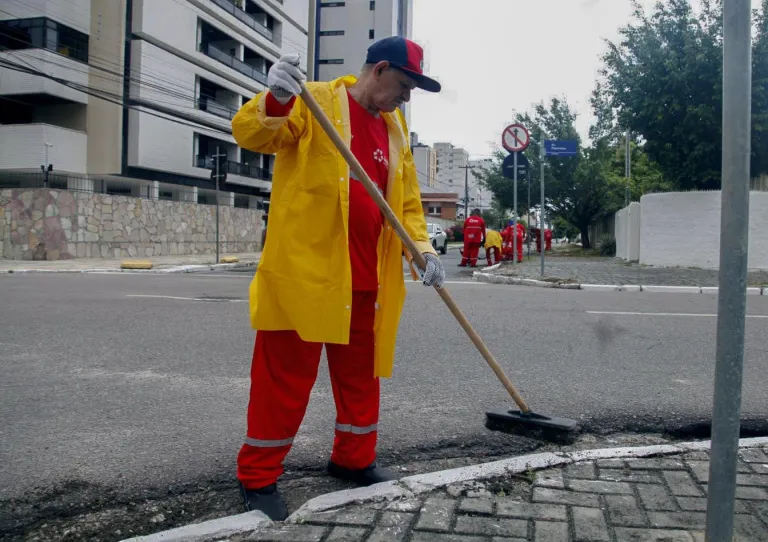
<point x="663" y="80"/>
<point x="607" y="246"/>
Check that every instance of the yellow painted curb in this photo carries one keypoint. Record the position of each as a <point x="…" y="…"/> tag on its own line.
<point x="229" y="259"/>
<point x="136" y="264"/>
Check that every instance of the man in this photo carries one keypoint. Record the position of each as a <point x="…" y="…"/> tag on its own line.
<point x="474" y="238"/>
<point x="520" y="238"/>
<point x="339" y="281"/>
<point x="508" y="242"/>
<point x="493" y="246"/>
<point x="548" y="239"/>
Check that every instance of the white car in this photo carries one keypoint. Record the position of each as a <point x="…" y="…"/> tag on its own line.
<point x="438" y="238"/>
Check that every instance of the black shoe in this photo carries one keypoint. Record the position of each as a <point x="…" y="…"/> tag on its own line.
<point x="267" y="500"/>
<point x="372" y="474"/>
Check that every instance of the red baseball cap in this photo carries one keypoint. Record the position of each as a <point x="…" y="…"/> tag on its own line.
<point x="405" y="55"/>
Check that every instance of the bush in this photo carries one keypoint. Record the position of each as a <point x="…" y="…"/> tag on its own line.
<point x="607" y="246"/>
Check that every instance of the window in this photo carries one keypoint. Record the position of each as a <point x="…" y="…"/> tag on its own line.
<point x="436" y="210"/>
<point x="44" y="33"/>
<point x="331" y="61"/>
<point x="331" y="32"/>
<point x="370" y="34"/>
<point x="373" y="5"/>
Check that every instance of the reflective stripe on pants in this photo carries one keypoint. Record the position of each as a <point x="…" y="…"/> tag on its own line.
<point x="283" y="372"/>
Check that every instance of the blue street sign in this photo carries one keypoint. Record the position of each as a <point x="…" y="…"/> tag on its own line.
<point x="561" y="148"/>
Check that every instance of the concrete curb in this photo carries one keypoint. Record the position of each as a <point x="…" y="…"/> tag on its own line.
<point x="190" y="268"/>
<point x="492" y="278"/>
<point x="423" y="483"/>
<point x="228" y="526"/>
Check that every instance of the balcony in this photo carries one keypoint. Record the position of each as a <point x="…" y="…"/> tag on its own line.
<point x="216" y="99"/>
<point x="238" y="65"/>
<point x="249" y="19"/>
<point x="24" y="147"/>
<point x="214" y="108"/>
<point x="236" y="168"/>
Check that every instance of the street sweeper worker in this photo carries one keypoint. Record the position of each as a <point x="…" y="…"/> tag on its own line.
<point x="519" y="240"/>
<point x="508" y="241"/>
<point x="339" y="282"/>
<point x="474" y="238"/>
<point x="493" y="244"/>
<point x="548" y="239"/>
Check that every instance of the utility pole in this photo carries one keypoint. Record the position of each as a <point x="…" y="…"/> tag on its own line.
<point x="216" y="162"/>
<point x="734" y="248"/>
<point x="627" y="166"/>
<point x="466" y="189"/>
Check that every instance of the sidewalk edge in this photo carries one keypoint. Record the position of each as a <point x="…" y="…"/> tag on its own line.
<point x="423" y="483"/>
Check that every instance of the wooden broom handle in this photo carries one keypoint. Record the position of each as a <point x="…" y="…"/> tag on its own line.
<point x="370" y="187"/>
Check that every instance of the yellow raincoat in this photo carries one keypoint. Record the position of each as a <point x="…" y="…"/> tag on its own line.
<point x="492" y="239"/>
<point x="304" y="281"/>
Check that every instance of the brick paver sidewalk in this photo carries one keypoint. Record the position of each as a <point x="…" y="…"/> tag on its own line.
<point x="653" y="499"/>
<point x="612" y="271"/>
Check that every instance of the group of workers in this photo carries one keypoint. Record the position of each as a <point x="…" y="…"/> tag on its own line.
<point x="500" y="246"/>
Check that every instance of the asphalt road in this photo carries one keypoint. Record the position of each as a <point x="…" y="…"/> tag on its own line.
<point x="128" y="382"/>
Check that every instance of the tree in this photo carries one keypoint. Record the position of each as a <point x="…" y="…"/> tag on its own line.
<point x="663" y="80"/>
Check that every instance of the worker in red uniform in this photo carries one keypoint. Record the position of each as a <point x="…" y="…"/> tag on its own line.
<point x="548" y="239"/>
<point x="520" y="237"/>
<point x="474" y="238"/>
<point x="508" y="245"/>
<point x="326" y="285"/>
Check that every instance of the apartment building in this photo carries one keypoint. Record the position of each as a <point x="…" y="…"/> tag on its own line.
<point x="136" y="96"/>
<point x="479" y="196"/>
<point x="425" y="159"/>
<point x="345" y="30"/>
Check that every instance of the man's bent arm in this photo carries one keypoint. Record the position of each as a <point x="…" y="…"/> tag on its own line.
<point x="255" y="130"/>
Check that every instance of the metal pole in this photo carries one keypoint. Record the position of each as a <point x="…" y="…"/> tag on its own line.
<point x="627" y="166"/>
<point x="734" y="234"/>
<point x="541" y="213"/>
<point x="216" y="160"/>
<point x="514" y="231"/>
<point x="311" y="36"/>
<point x="466" y="192"/>
<point x="528" y="231"/>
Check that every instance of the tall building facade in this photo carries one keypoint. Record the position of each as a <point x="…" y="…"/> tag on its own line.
<point x="451" y="161"/>
<point x="345" y="30"/>
<point x="136" y="96"/>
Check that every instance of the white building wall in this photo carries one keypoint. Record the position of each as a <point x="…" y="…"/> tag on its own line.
<point x="23" y="147"/>
<point x="356" y="19"/>
<point x="75" y="14"/>
<point x="15" y="82"/>
<point x="683" y="229"/>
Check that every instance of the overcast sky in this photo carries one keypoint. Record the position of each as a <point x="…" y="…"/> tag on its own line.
<point x="495" y="57"/>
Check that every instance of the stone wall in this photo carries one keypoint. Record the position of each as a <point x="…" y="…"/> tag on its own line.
<point x="41" y="224"/>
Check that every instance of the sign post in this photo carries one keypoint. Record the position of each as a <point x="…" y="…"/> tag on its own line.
<point x="515" y="139"/>
<point x="219" y="175"/>
<point x="734" y="236"/>
<point x="567" y="148"/>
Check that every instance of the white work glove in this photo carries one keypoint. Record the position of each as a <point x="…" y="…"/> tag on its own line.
<point x="284" y="78"/>
<point x="434" y="274"/>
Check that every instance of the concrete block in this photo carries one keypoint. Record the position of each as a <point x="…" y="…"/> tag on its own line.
<point x="671" y="289"/>
<point x="712" y="290"/>
<point x="492" y="526"/>
<point x="589" y="524"/>
<point x="136" y="264"/>
<point x="600" y="486"/>
<point x="437" y="514"/>
<point x="509" y="507"/>
<point x="600" y="287"/>
<point x="754" y="291"/>
<point x="559" y="496"/>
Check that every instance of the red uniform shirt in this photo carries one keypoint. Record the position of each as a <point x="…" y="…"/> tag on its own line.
<point x="370" y="145"/>
<point x="474" y="229"/>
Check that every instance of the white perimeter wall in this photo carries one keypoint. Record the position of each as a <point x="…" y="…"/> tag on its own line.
<point x="683" y="229"/>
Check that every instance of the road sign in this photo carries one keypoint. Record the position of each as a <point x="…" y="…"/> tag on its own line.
<point x="561" y="148"/>
<point x="508" y="166"/>
<point x="515" y="138"/>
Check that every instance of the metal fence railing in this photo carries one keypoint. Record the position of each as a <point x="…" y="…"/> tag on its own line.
<point x="72" y="183"/>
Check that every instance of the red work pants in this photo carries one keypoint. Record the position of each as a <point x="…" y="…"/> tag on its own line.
<point x="471" y="252"/>
<point x="283" y="372"/>
<point x="519" y="248"/>
<point x="495" y="252"/>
